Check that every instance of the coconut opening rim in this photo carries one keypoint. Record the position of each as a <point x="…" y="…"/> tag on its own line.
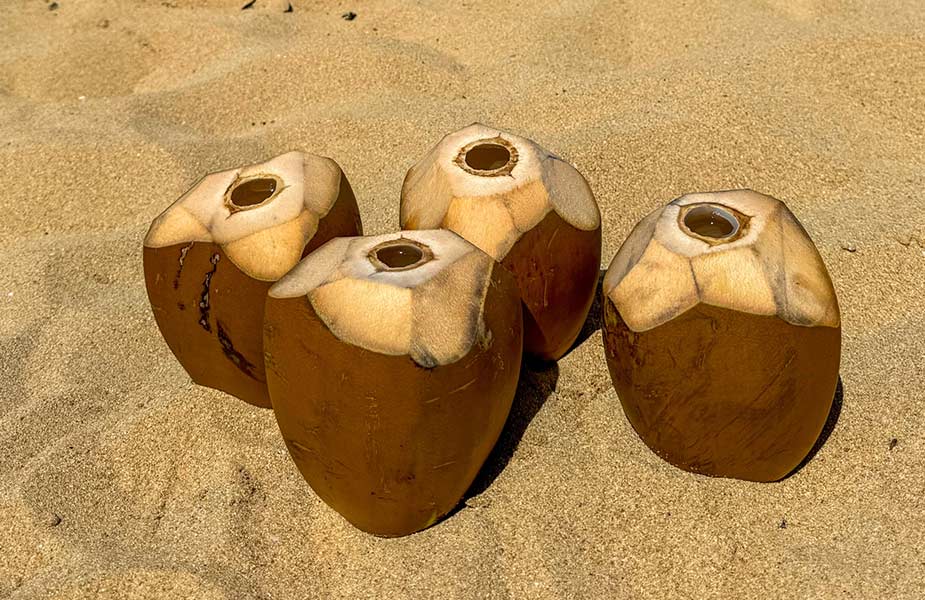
<point x="233" y="204"/>
<point x="488" y="157"/>
<point x="712" y="223"/>
<point x="401" y="254"/>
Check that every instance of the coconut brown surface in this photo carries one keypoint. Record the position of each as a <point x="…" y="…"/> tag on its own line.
<point x="210" y="258"/>
<point x="392" y="363"/>
<point x="723" y="335"/>
<point x="166" y="489"/>
<point x="529" y="210"/>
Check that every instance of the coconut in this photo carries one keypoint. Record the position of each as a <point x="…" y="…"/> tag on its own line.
<point x="526" y="208"/>
<point x="392" y="362"/>
<point x="723" y="335"/>
<point x="210" y="258"/>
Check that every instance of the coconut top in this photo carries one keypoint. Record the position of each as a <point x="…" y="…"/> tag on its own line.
<point x="738" y="249"/>
<point x="261" y="215"/>
<point x="491" y="187"/>
<point x="419" y="293"/>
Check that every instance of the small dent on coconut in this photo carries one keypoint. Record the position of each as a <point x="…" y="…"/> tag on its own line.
<point x="422" y="357"/>
<point x="484" y="337"/>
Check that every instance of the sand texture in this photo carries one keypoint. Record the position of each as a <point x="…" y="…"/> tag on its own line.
<point x="122" y="479"/>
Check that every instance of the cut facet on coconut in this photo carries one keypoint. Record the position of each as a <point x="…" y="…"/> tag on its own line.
<point x="210" y="258"/>
<point x="413" y="341"/>
<point x="768" y="266"/>
<point x="525" y="207"/>
<point x="723" y="336"/>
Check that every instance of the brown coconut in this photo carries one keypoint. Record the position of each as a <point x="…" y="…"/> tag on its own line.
<point x="392" y="362"/>
<point x="527" y="209"/>
<point x="723" y="336"/>
<point x="210" y="258"/>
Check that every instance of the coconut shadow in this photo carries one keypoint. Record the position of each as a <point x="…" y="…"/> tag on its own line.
<point x="537" y="382"/>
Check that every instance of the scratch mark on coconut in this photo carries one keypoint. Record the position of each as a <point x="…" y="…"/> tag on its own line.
<point x="204" y="297"/>
<point x="553" y="236"/>
<point x="333" y="468"/>
<point x="690" y="265"/>
<point x="233" y="355"/>
<point x="671" y="357"/>
<point x="183" y="251"/>
<point x="459" y="389"/>
<point x="311" y="355"/>
<point x="465" y="385"/>
<point x="444" y="465"/>
<point x="300" y="447"/>
<point x="373" y="428"/>
<point x="751" y="403"/>
<point x="270" y="364"/>
<point x="710" y="340"/>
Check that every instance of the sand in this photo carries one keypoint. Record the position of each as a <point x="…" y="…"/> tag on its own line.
<point x="122" y="479"/>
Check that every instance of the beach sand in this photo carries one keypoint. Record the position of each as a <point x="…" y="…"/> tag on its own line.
<point x="122" y="479"/>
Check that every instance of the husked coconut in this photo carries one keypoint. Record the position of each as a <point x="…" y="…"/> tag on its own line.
<point x="210" y="258"/>
<point x="526" y="208"/>
<point x="392" y="362"/>
<point x="723" y="335"/>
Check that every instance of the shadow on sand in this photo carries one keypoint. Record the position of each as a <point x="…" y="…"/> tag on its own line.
<point x="537" y="382"/>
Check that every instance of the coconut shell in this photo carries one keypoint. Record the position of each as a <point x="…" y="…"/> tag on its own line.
<point x="391" y="387"/>
<point x="723" y="336"/>
<point x="208" y="262"/>
<point x="526" y="208"/>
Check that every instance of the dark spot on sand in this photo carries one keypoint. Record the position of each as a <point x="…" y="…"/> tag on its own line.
<point x="783" y="524"/>
<point x="53" y="6"/>
<point x="893" y="443"/>
<point x="348" y="16"/>
<point x="249" y="5"/>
